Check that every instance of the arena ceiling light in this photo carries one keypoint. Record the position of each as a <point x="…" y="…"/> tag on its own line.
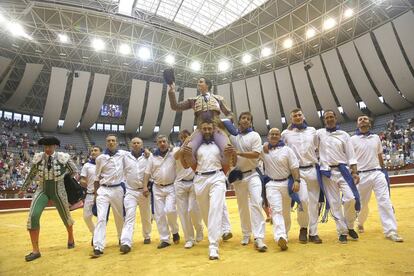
<point x="2" y="19"/>
<point x="287" y="43"/>
<point x="266" y="51"/>
<point x="329" y="23"/>
<point x="125" y="7"/>
<point x="223" y="66"/>
<point x="63" y="38"/>
<point x="98" y="44"/>
<point x="17" y="30"/>
<point x="124" y="49"/>
<point x="247" y="58"/>
<point x="348" y="13"/>
<point x="195" y="66"/>
<point x="310" y="33"/>
<point x="170" y="59"/>
<point x="144" y="53"/>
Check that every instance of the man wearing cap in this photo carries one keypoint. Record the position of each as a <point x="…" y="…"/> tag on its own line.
<point x="135" y="163"/>
<point x="51" y="167"/>
<point x="161" y="167"/>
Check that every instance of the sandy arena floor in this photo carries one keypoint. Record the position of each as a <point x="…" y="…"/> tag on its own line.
<point x="371" y="255"/>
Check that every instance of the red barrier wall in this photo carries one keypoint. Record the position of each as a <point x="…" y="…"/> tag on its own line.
<point x="7" y="204"/>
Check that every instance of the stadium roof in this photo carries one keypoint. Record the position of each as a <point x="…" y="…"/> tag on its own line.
<point x="65" y="33"/>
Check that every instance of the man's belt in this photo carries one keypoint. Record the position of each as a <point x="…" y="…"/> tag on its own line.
<point x="208" y="173"/>
<point x="371" y="170"/>
<point x="187" y="180"/>
<point x="134" y="189"/>
<point x="334" y="166"/>
<point x="306" y="167"/>
<point x="278" y="180"/>
<point x="111" y="186"/>
<point x="164" y="185"/>
<point x="90" y="193"/>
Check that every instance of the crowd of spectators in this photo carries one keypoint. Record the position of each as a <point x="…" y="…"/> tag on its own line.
<point x="18" y="147"/>
<point x="398" y="143"/>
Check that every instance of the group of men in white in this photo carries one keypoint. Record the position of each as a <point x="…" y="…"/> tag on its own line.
<point x="297" y="164"/>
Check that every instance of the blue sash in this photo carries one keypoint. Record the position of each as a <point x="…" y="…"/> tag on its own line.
<point x="348" y="178"/>
<point x="293" y="195"/>
<point x="322" y="198"/>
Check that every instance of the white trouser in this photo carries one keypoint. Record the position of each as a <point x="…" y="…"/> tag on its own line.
<point x="310" y="185"/>
<point x="165" y="211"/>
<point x="87" y="212"/>
<point x="334" y="187"/>
<point x="106" y="196"/>
<point x="188" y="210"/>
<point x="303" y="214"/>
<point x="249" y="201"/>
<point x="375" y="181"/>
<point x="131" y="200"/>
<point x="211" y="192"/>
<point x="225" y="224"/>
<point x="277" y="195"/>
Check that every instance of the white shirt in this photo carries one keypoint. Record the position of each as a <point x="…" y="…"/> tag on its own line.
<point x="88" y="171"/>
<point x="110" y="169"/>
<point x="279" y="162"/>
<point x="304" y="144"/>
<point x="186" y="174"/>
<point x="335" y="148"/>
<point x="208" y="158"/>
<point x="134" y="170"/>
<point x="366" y="150"/>
<point x="161" y="169"/>
<point x="247" y="142"/>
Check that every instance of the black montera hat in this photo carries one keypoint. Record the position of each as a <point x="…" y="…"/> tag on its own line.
<point x="48" y="140"/>
<point x="169" y="77"/>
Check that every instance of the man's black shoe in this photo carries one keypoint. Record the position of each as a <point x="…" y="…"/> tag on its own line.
<point x="227" y="236"/>
<point x="147" y="241"/>
<point x="353" y="234"/>
<point x="32" y="256"/>
<point x="315" y="239"/>
<point x="125" y="248"/>
<point x="96" y="253"/>
<point x="343" y="239"/>
<point x="303" y="235"/>
<point x="163" y="245"/>
<point x="176" y="238"/>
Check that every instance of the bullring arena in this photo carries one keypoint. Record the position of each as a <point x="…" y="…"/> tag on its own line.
<point x="303" y="99"/>
<point x="371" y="255"/>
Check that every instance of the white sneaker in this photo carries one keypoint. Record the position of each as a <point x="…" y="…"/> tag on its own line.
<point x="260" y="246"/>
<point x="394" y="237"/>
<point x="213" y="254"/>
<point x="188" y="244"/>
<point x="245" y="240"/>
<point x="199" y="236"/>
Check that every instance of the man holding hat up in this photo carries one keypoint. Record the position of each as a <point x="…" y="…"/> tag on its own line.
<point x="51" y="166"/>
